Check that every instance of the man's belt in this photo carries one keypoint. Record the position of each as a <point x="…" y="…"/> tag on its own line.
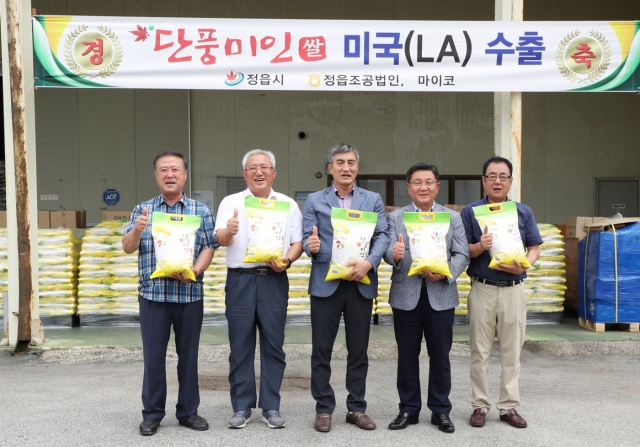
<point x="260" y="271"/>
<point x="498" y="283"/>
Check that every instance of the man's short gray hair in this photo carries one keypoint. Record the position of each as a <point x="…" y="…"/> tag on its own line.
<point x="269" y="154"/>
<point x="341" y="148"/>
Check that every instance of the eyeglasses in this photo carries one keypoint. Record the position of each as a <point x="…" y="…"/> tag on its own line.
<point x="494" y="177"/>
<point x="165" y="170"/>
<point x="428" y="184"/>
<point x="254" y="168"/>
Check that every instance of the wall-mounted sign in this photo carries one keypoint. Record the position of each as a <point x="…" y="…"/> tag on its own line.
<point x="111" y="197"/>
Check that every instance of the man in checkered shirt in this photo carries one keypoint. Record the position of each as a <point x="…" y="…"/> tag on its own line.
<point x="174" y="301"/>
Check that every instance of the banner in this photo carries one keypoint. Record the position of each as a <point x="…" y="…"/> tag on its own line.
<point x="330" y="55"/>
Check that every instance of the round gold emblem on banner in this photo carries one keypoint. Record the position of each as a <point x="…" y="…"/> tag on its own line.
<point x="314" y="80"/>
<point x="94" y="53"/>
<point x="583" y="59"/>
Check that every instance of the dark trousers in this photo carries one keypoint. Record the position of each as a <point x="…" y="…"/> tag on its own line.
<point x="325" y="320"/>
<point x="437" y="327"/>
<point x="156" y="320"/>
<point x="254" y="301"/>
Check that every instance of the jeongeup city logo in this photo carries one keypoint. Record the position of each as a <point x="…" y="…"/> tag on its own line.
<point x="583" y="58"/>
<point x="92" y="54"/>
<point x="234" y="78"/>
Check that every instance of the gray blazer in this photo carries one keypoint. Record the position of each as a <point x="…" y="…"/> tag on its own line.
<point x="405" y="290"/>
<point x="317" y="212"/>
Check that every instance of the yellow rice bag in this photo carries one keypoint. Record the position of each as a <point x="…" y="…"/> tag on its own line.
<point x="501" y="220"/>
<point x="267" y="221"/>
<point x="427" y="242"/>
<point x="352" y="232"/>
<point x="174" y="239"/>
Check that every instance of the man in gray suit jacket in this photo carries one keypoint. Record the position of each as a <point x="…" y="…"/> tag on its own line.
<point x="349" y="297"/>
<point x="424" y="304"/>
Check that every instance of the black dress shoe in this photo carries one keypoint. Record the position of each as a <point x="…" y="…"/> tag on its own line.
<point x="443" y="422"/>
<point x="195" y="422"/>
<point x="402" y="421"/>
<point x="149" y="426"/>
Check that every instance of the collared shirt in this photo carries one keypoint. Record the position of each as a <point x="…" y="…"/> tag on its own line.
<point x="169" y="290"/>
<point x="418" y="210"/>
<point x="237" y="251"/>
<point x="480" y="266"/>
<point x="345" y="202"/>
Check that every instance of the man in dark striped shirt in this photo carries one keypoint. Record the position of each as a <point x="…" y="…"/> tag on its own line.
<point x="174" y="301"/>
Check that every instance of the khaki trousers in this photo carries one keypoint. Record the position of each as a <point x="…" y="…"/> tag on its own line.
<point x="508" y="307"/>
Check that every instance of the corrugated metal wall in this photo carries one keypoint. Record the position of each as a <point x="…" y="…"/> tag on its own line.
<point x="91" y="140"/>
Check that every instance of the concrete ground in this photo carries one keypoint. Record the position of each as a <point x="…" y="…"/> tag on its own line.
<point x="578" y="388"/>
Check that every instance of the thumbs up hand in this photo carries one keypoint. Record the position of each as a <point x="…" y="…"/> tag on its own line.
<point x="486" y="240"/>
<point x="233" y="223"/>
<point x="314" y="241"/>
<point x="142" y="221"/>
<point x="398" y="249"/>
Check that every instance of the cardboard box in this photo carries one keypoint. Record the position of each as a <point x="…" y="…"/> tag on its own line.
<point x="119" y="216"/>
<point x="602" y="224"/>
<point x="68" y="219"/>
<point x="391" y="209"/>
<point x="575" y="227"/>
<point x="457" y="208"/>
<point x="571" y="275"/>
<point x="43" y="219"/>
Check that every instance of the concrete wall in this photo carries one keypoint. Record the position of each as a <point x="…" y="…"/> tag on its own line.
<point x="91" y="140"/>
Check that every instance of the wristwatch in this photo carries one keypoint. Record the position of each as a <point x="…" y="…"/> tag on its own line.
<point x="288" y="264"/>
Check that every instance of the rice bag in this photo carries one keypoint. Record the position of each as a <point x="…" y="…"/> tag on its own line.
<point x="352" y="232"/>
<point x="501" y="219"/>
<point x="174" y="239"/>
<point x="267" y="220"/>
<point x="427" y="242"/>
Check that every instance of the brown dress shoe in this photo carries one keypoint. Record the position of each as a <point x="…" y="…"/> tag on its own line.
<point x="323" y="422"/>
<point x="478" y="418"/>
<point x="512" y="418"/>
<point x="361" y="420"/>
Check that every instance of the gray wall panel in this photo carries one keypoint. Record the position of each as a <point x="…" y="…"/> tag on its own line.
<point x="213" y="135"/>
<point x="318" y="115"/>
<point x="57" y="148"/>
<point x="152" y="8"/>
<point x="107" y="152"/>
<point x="261" y="123"/>
<point x="366" y="122"/>
<point x="160" y="124"/>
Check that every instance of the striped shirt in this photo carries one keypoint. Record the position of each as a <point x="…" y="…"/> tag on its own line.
<point x="169" y="290"/>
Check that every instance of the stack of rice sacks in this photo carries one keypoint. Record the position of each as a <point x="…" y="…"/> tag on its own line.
<point x="215" y="278"/>
<point x="382" y="307"/>
<point x="464" y="287"/>
<point x="545" y="283"/>
<point x="58" y="273"/>
<point x="108" y="278"/>
<point x="299" y="307"/>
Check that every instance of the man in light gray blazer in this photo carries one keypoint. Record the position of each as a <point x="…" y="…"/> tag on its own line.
<point x="349" y="297"/>
<point x="424" y="304"/>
